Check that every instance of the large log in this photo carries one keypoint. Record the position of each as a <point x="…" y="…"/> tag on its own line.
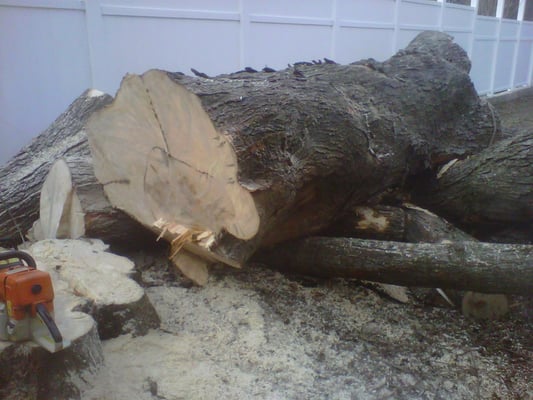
<point x="308" y="141"/>
<point x="481" y="267"/>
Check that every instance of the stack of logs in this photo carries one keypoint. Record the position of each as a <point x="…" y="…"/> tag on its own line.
<point x="321" y="169"/>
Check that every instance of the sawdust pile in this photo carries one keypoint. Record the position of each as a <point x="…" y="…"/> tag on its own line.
<point x="259" y="334"/>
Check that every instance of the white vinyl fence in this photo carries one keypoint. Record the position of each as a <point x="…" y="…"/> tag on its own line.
<point x="52" y="50"/>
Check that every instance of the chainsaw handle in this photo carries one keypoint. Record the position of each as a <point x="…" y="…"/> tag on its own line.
<point x="21" y="255"/>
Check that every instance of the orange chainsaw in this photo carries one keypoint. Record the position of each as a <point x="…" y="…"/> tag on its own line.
<point x="27" y="302"/>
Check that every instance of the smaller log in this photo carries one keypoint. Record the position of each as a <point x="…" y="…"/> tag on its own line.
<point x="480" y="267"/>
<point x="406" y="223"/>
<point x="413" y="224"/>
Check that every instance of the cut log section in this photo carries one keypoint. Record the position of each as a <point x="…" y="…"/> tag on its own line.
<point x="85" y="278"/>
<point x="28" y="371"/>
<point x="101" y="283"/>
<point x="160" y="160"/>
<point x="480" y="267"/>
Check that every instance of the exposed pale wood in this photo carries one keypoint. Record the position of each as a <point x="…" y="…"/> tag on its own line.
<point x="22" y="178"/>
<point x="159" y="157"/>
<point x="192" y="266"/>
<point x="404" y="223"/>
<point x="101" y="284"/>
<point x="60" y="210"/>
<point x="160" y="160"/>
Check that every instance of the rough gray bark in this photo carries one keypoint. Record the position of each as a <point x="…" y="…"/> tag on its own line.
<point x="313" y="139"/>
<point x="489" y="191"/>
<point x="113" y="320"/>
<point x="481" y="267"/>
<point x="408" y="223"/>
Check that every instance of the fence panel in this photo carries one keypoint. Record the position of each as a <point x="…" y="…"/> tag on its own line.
<point x="44" y="64"/>
<point x="524" y="56"/>
<point x="52" y="50"/>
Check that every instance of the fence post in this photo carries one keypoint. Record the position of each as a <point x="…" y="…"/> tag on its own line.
<point x="97" y="43"/>
<point x="441" y="15"/>
<point x="244" y="33"/>
<point x="397" y="6"/>
<point x="499" y="15"/>
<point x="520" y="19"/>
<point x="474" y="5"/>
<point x="334" y="30"/>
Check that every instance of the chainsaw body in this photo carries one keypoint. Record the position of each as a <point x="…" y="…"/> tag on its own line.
<point x="27" y="302"/>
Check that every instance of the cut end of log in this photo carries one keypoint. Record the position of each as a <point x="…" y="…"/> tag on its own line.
<point x="160" y="159"/>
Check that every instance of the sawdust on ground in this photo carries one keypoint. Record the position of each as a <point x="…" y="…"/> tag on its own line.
<point x="259" y="334"/>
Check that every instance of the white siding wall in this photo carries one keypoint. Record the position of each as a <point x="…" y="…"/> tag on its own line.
<point x="52" y="50"/>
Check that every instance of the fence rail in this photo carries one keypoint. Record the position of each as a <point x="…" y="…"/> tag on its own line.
<point x="52" y="50"/>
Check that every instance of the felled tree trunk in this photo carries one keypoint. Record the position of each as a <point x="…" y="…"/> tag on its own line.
<point x="308" y="140"/>
<point x="314" y="139"/>
<point x="305" y="142"/>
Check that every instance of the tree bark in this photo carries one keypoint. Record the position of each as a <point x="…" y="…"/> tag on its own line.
<point x="408" y="223"/>
<point x="487" y="192"/>
<point x="313" y="139"/>
<point x="480" y="267"/>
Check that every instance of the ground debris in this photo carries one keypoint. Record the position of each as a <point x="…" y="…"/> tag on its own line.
<point x="258" y="333"/>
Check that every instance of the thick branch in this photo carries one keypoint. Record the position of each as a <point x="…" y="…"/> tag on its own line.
<point x="481" y="267"/>
<point x="492" y="189"/>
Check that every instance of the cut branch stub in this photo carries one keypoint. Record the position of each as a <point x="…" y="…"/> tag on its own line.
<point x="160" y="159"/>
<point x="60" y="210"/>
